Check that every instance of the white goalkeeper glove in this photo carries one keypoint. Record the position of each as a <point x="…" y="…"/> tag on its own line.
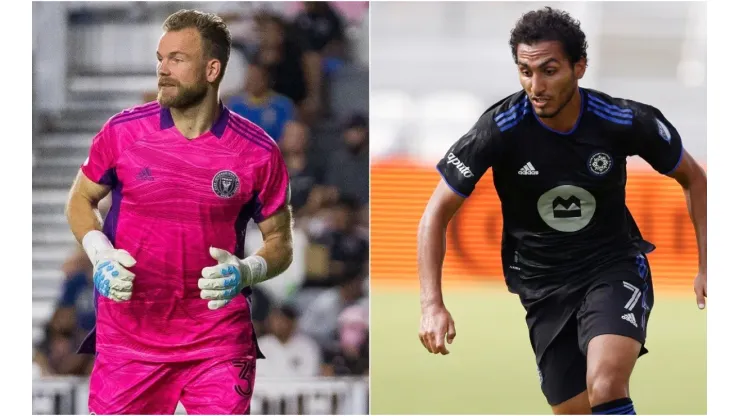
<point x="111" y="277"/>
<point x="224" y="281"/>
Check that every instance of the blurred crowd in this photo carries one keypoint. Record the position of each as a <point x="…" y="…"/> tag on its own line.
<point x="320" y="325"/>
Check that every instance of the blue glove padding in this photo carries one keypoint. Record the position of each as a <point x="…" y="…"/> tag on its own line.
<point x="111" y="279"/>
<point x="224" y="281"/>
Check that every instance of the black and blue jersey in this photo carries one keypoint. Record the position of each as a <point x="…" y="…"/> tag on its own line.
<point x="562" y="193"/>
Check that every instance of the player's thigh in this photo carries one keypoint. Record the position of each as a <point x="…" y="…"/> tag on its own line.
<point x="579" y="405"/>
<point x="119" y="386"/>
<point x="610" y="361"/>
<point x="220" y="386"/>
<point x="618" y="303"/>
<point x="562" y="369"/>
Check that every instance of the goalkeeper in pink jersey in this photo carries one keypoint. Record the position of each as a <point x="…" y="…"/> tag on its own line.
<point x="172" y="280"/>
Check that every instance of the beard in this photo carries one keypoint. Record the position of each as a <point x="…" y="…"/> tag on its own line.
<point x="186" y="97"/>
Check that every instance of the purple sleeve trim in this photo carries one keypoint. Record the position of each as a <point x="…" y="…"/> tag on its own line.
<point x="680" y="158"/>
<point x="450" y="186"/>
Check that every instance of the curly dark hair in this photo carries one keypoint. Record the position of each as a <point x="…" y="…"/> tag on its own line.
<point x="550" y="24"/>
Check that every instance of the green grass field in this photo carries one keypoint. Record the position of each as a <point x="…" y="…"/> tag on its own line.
<point x="491" y="367"/>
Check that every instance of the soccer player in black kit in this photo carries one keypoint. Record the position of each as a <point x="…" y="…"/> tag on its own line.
<point x="570" y="248"/>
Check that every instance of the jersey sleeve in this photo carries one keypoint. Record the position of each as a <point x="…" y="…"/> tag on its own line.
<point x="100" y="164"/>
<point x="274" y="189"/>
<point x="657" y="141"/>
<point x="470" y="157"/>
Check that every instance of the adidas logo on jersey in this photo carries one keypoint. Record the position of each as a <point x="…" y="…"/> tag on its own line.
<point x="528" y="169"/>
<point x="456" y="162"/>
<point x="630" y="317"/>
<point x="145" y="175"/>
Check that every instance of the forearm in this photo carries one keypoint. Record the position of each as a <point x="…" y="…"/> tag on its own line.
<point x="72" y="364"/>
<point x="312" y="66"/>
<point x="82" y="215"/>
<point x="277" y="248"/>
<point x="278" y="254"/>
<point x="335" y="48"/>
<point x="431" y="253"/>
<point x="696" y="199"/>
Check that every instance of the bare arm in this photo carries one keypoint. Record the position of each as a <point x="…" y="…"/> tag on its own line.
<point x="337" y="48"/>
<point x="317" y="198"/>
<point x="277" y="235"/>
<point x="73" y="364"/>
<point x="312" y="69"/>
<point x="693" y="180"/>
<point x="85" y="222"/>
<point x="442" y="206"/>
<point x="82" y="206"/>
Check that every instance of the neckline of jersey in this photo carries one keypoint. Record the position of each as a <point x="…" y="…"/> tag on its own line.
<point x="217" y="129"/>
<point x="578" y="121"/>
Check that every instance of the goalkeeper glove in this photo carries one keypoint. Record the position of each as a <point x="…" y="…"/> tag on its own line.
<point x="111" y="277"/>
<point x="224" y="281"/>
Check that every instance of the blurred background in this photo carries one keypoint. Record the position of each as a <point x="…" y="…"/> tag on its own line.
<point x="298" y="70"/>
<point x="435" y="68"/>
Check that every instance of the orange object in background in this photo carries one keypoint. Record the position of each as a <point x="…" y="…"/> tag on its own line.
<point x="401" y="188"/>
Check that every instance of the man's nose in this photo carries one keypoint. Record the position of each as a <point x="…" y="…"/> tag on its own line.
<point x="539" y="85"/>
<point x="162" y="69"/>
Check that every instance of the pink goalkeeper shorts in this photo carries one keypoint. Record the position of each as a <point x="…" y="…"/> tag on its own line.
<point x="215" y="386"/>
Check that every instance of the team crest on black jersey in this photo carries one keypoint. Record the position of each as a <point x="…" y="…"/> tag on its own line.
<point x="600" y="163"/>
<point x="567" y="208"/>
<point x="225" y="184"/>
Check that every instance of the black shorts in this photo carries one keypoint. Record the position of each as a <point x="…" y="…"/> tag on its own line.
<point x="615" y="300"/>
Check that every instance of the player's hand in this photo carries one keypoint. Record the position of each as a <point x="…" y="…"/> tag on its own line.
<point x="700" y="289"/>
<point x="111" y="276"/>
<point x="436" y="322"/>
<point x="224" y="281"/>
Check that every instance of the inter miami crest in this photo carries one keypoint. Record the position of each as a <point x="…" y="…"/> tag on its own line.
<point x="225" y="184"/>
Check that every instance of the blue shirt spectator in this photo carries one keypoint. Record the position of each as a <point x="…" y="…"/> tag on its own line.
<point x="77" y="293"/>
<point x="261" y="105"/>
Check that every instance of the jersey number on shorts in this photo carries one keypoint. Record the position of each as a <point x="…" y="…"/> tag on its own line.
<point x="635" y="296"/>
<point x="247" y="368"/>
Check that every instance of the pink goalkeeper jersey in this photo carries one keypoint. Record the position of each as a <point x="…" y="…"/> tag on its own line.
<point x="173" y="198"/>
